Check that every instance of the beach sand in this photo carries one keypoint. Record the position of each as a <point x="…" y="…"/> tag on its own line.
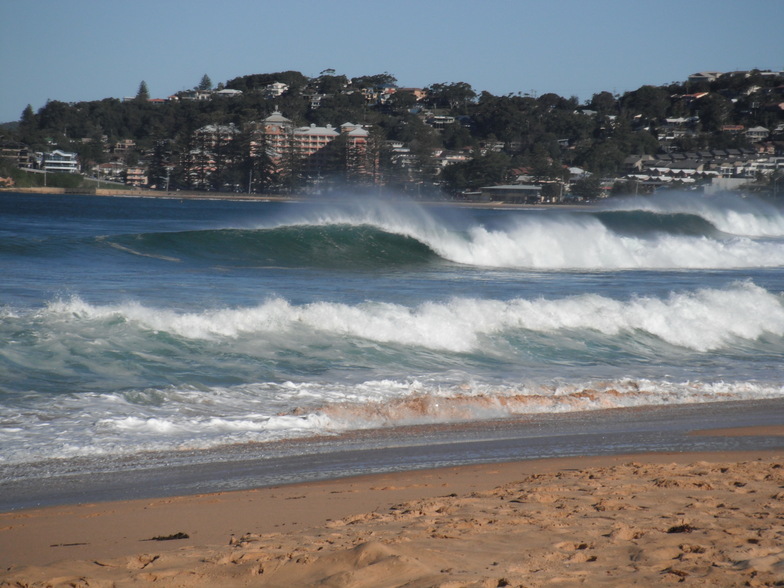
<point x="700" y="519"/>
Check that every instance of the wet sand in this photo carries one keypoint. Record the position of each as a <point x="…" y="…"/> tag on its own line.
<point x="695" y="518"/>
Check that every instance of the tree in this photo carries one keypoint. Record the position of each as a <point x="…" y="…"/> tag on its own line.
<point x="376" y="81"/>
<point x="588" y="188"/>
<point x="485" y="170"/>
<point x="159" y="170"/>
<point x="455" y="96"/>
<point x="258" y="166"/>
<point x="714" y="111"/>
<point x="331" y="84"/>
<point x="651" y="102"/>
<point x="28" y="126"/>
<point x="456" y="136"/>
<point x="143" y="95"/>
<point x="604" y="103"/>
<point x="401" y="102"/>
<point x="205" y="83"/>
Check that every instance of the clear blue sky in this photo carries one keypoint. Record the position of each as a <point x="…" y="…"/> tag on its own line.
<point x="77" y="50"/>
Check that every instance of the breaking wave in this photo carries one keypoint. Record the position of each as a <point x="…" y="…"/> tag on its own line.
<point x="728" y="213"/>
<point x="628" y="235"/>
<point x="702" y="320"/>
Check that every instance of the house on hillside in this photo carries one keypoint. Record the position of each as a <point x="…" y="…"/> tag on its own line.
<point x="705" y="76"/>
<point x="275" y="89"/>
<point x="60" y="161"/>
<point x="227" y="93"/>
<point x="756" y="134"/>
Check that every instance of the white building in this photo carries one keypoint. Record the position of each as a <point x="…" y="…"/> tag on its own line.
<point x="60" y="161"/>
<point x="276" y="89"/>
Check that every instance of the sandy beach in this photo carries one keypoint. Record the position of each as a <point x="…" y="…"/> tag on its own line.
<point x="694" y="518"/>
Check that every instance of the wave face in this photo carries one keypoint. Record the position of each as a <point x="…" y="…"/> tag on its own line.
<point x="637" y="234"/>
<point x="130" y="325"/>
<point x="730" y="214"/>
<point x="329" y="246"/>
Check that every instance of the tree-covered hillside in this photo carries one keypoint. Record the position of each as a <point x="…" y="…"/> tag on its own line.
<point x="497" y="134"/>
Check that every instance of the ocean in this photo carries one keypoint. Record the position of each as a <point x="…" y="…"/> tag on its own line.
<point x="141" y="334"/>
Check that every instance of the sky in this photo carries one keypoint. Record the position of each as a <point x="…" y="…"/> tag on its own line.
<point x="81" y="50"/>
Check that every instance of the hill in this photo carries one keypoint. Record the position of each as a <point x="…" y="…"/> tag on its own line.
<point x="445" y="135"/>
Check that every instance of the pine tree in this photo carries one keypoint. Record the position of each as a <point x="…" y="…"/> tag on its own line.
<point x="205" y="83"/>
<point x="28" y="127"/>
<point x="143" y="95"/>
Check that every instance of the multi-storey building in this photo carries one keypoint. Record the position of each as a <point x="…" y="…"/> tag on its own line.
<point x="312" y="148"/>
<point x="19" y="153"/>
<point x="60" y="161"/>
<point x="136" y="176"/>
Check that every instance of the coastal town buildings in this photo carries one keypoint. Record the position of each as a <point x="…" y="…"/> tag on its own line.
<point x="136" y="176"/>
<point x="60" y="161"/>
<point x="430" y="139"/>
<point x="316" y="149"/>
<point x="19" y="153"/>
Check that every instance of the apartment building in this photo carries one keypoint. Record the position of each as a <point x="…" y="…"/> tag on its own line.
<point x="59" y="161"/>
<point x="312" y="146"/>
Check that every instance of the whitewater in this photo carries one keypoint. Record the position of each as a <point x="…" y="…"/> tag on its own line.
<point x="133" y="327"/>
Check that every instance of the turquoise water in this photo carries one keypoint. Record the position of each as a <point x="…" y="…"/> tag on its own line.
<point x="129" y="325"/>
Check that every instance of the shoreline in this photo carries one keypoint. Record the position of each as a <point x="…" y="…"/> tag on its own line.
<point x="605" y="432"/>
<point x="240" y="197"/>
<point x="475" y="523"/>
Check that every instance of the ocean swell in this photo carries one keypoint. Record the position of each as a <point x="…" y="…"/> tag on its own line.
<point x="701" y="320"/>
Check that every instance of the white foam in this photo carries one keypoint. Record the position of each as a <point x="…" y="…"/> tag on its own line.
<point x="99" y="425"/>
<point x="701" y="320"/>
<point x="578" y="241"/>
<point x="730" y="214"/>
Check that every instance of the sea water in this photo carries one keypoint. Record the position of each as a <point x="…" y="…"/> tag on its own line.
<point x="131" y="325"/>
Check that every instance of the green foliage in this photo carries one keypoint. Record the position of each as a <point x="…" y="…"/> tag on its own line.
<point x="374" y="81"/>
<point x="205" y="83"/>
<point x="143" y="94"/>
<point x="587" y="188"/>
<point x="485" y="170"/>
<point x="293" y="79"/>
<point x="454" y="96"/>
<point x="543" y="133"/>
<point x="649" y="102"/>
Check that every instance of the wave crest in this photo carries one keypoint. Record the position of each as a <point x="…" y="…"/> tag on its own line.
<point x="701" y="320"/>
